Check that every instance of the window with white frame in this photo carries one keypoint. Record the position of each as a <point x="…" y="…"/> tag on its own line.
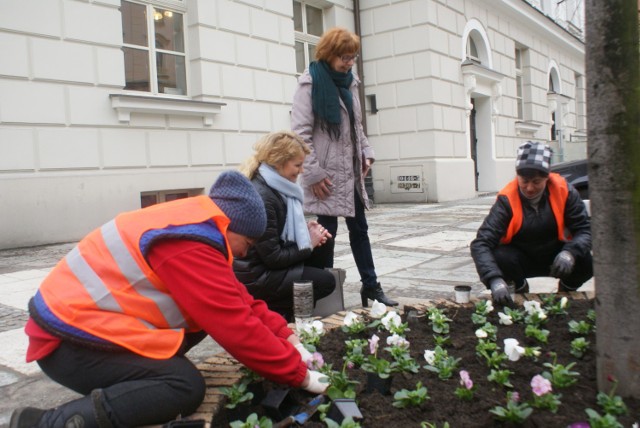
<point x="581" y="114"/>
<point x="519" y="85"/>
<point x="308" y="26"/>
<point x="472" y="50"/>
<point x="154" y="46"/>
<point x="152" y="198"/>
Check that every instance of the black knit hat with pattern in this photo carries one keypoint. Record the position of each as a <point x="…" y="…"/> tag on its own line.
<point x="234" y="194"/>
<point x="534" y="155"/>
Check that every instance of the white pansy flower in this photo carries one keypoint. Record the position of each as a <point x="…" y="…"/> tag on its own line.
<point x="512" y="349"/>
<point x="397" y="340"/>
<point x="377" y="309"/>
<point x="391" y="319"/>
<point x="563" y="302"/>
<point x="489" y="306"/>
<point x="532" y="306"/>
<point x="350" y="318"/>
<point x="481" y="334"/>
<point x="313" y="328"/>
<point x="430" y="357"/>
<point x="505" y="319"/>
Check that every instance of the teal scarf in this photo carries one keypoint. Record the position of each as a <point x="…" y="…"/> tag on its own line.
<point x="328" y="88"/>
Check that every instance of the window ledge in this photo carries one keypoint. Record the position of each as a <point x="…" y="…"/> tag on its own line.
<point x="125" y="104"/>
<point x="481" y="72"/>
<point x="529" y="128"/>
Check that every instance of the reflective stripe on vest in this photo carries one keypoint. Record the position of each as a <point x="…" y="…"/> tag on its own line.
<point x="105" y="287"/>
<point x="558" y="193"/>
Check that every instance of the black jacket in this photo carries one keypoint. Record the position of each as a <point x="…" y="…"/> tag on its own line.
<point x="538" y="236"/>
<point x="272" y="265"/>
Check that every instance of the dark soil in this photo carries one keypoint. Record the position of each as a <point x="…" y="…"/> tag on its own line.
<point x="443" y="405"/>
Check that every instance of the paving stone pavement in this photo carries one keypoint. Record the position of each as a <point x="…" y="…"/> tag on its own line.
<point x="421" y="251"/>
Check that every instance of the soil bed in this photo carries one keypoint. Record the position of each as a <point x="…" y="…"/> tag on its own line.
<point x="443" y="405"/>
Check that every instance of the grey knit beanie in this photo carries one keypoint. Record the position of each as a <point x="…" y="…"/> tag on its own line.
<point x="234" y="194"/>
<point x="533" y="155"/>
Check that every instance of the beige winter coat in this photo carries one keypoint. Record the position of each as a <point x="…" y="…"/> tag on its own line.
<point x="330" y="158"/>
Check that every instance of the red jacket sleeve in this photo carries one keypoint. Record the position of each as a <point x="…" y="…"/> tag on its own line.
<point x="203" y="284"/>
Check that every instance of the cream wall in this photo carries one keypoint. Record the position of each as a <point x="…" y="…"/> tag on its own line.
<point x="412" y="54"/>
<point x="74" y="151"/>
<point x="68" y="162"/>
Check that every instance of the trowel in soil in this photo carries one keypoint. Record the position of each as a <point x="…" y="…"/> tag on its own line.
<point x="303" y="415"/>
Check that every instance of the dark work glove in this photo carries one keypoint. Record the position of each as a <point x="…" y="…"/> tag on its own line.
<point x="500" y="292"/>
<point x="563" y="264"/>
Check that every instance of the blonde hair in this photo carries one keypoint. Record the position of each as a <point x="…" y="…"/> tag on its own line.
<point x="336" y="42"/>
<point x="274" y="149"/>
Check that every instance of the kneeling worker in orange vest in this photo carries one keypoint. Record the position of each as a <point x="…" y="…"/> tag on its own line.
<point x="538" y="226"/>
<point x="114" y="319"/>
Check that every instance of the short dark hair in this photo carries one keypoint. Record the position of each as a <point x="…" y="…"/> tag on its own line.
<point x="530" y="173"/>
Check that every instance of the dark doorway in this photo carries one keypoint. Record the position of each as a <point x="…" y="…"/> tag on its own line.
<point x="474" y="141"/>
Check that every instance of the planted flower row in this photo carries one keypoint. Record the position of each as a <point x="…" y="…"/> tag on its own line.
<point x="364" y="350"/>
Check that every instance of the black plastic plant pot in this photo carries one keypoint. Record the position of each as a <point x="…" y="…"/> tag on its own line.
<point x="278" y="404"/>
<point x="239" y="413"/>
<point x="257" y="389"/>
<point x="412" y="318"/>
<point x="342" y="408"/>
<point x="376" y="383"/>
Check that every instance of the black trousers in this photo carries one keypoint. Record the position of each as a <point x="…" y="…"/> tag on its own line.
<point x="517" y="266"/>
<point x="136" y="390"/>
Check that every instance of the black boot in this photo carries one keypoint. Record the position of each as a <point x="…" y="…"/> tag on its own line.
<point x="85" y="412"/>
<point x="375" y="293"/>
<point x="524" y="288"/>
<point x="26" y="417"/>
<point x="564" y="288"/>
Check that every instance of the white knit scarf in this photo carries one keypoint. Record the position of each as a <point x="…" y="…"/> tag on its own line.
<point x="295" y="226"/>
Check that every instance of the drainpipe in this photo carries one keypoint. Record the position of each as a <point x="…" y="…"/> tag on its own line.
<point x="356" y="19"/>
<point x="368" y="180"/>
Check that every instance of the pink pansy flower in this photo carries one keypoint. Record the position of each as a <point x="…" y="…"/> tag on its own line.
<point x="373" y="344"/>
<point x="465" y="380"/>
<point x="316" y="361"/>
<point x="540" y="385"/>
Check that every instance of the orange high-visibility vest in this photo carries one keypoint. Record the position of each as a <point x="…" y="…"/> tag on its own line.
<point x="558" y="193"/>
<point x="106" y="288"/>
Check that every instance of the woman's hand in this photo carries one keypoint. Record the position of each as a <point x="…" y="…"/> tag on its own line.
<point x="366" y="166"/>
<point x="322" y="189"/>
<point x="319" y="235"/>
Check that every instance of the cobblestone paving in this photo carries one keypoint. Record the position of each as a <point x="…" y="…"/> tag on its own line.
<point x="11" y="318"/>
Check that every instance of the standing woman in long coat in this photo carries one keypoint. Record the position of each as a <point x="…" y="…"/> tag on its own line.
<point x="326" y="114"/>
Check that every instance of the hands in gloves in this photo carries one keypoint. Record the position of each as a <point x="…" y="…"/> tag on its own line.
<point x="306" y="355"/>
<point x="563" y="264"/>
<point x="500" y="292"/>
<point x="315" y="382"/>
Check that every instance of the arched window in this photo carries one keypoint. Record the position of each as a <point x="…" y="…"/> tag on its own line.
<point x="472" y="51"/>
<point x="475" y="44"/>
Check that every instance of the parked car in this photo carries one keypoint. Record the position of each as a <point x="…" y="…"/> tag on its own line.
<point x="575" y="172"/>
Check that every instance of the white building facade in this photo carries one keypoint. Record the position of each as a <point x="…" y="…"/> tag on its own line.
<point x="110" y="105"/>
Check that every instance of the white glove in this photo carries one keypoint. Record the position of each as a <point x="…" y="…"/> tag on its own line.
<point x="318" y="382"/>
<point x="306" y="355"/>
